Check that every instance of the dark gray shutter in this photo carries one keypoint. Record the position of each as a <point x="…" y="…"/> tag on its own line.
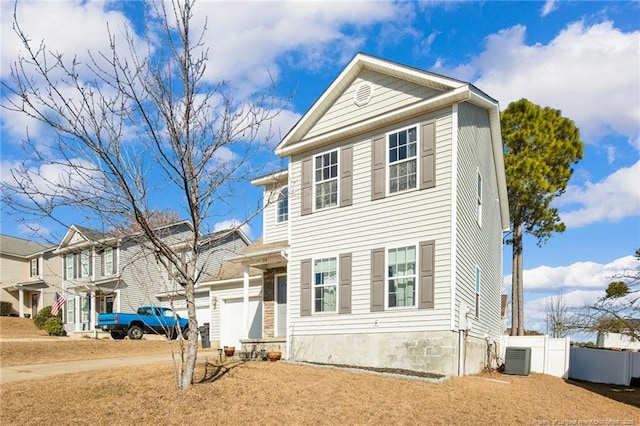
<point x="103" y="262"/>
<point x="425" y="279"/>
<point x="345" y="283"/>
<point x="377" y="280"/>
<point x="91" y="264"/>
<point x="378" y="183"/>
<point x="346" y="176"/>
<point x="76" y="265"/>
<point x="64" y="267"/>
<point x="305" y="287"/>
<point x="114" y="251"/>
<point x="428" y="156"/>
<point x="307" y="186"/>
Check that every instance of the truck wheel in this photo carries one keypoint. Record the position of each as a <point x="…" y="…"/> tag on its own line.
<point x="135" y="332"/>
<point x="118" y="335"/>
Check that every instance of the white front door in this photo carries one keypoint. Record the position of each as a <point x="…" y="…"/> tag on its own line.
<point x="281" y="306"/>
<point x="232" y="327"/>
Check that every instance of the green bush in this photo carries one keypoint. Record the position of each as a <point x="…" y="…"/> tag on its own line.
<point x="53" y="326"/>
<point x="6" y="309"/>
<point x="42" y="316"/>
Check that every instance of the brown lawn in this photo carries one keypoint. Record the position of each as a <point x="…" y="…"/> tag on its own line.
<point x="282" y="393"/>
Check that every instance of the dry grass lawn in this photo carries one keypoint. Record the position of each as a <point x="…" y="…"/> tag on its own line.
<point x="282" y="393"/>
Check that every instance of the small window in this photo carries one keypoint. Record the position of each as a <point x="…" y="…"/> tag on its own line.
<point x="477" y="292"/>
<point x="69" y="266"/>
<point x="71" y="310"/>
<point x="108" y="262"/>
<point x="401" y="280"/>
<point x="479" y="200"/>
<point x="326" y="180"/>
<point x="34" y="268"/>
<point x="325" y="284"/>
<point x="282" y="206"/>
<point x="84" y="264"/>
<point x="403" y="163"/>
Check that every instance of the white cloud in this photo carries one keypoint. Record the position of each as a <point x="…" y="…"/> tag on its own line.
<point x="583" y="276"/>
<point x="588" y="72"/>
<point x="611" y="200"/>
<point x="549" y="6"/>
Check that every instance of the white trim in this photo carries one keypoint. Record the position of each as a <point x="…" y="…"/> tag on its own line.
<point x="416" y="157"/>
<point x="416" y="246"/>
<point x="454" y="214"/>
<point x="315" y="183"/>
<point x="277" y="209"/>
<point x="313" y="285"/>
<point x="271" y="179"/>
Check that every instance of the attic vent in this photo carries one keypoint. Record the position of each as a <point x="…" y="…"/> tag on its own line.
<point x="363" y="94"/>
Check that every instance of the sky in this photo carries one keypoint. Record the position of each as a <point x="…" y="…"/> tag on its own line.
<point x="582" y="58"/>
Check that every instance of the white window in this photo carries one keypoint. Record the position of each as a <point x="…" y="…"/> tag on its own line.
<point x="325" y="276"/>
<point x="84" y="264"/>
<point x="34" y="268"/>
<point x="108" y="261"/>
<point x="326" y="180"/>
<point x="86" y="308"/>
<point x="282" y="206"/>
<point x="403" y="162"/>
<point x="71" y="309"/>
<point x="477" y="292"/>
<point x="479" y="200"/>
<point x="401" y="280"/>
<point x="69" y="266"/>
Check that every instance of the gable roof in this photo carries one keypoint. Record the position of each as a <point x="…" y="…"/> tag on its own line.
<point x="19" y="247"/>
<point x="451" y="91"/>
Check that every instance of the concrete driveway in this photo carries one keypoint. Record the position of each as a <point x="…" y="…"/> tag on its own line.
<point x="17" y="373"/>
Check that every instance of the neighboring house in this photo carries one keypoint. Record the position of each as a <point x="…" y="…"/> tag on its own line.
<point x="382" y="241"/>
<point x="624" y="339"/>
<point x="29" y="275"/>
<point x="103" y="273"/>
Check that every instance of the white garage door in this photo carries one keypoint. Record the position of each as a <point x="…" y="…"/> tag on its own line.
<point x="232" y="329"/>
<point x="203" y="311"/>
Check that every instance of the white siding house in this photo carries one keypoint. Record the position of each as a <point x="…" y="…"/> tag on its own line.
<point x="390" y="254"/>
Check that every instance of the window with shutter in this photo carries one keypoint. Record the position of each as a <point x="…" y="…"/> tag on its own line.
<point x="377" y="280"/>
<point x="305" y="287"/>
<point x="344" y="296"/>
<point x="426" y="278"/>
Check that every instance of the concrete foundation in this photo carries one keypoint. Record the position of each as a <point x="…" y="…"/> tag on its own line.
<point x="433" y="352"/>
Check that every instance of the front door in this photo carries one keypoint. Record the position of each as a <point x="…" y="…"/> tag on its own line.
<point x="281" y="306"/>
<point x="34" y="304"/>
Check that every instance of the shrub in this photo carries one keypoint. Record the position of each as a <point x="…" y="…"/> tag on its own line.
<point x="42" y="316"/>
<point x="53" y="326"/>
<point x="6" y="309"/>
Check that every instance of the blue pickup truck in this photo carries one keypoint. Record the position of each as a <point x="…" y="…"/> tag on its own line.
<point x="147" y="319"/>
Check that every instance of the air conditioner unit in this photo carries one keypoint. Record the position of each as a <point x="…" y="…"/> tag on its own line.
<point x="517" y="361"/>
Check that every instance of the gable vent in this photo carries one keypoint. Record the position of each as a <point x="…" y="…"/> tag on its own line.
<point x="363" y="94"/>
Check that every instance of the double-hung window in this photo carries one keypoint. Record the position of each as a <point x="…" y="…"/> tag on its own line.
<point x="108" y="262"/>
<point x="403" y="161"/>
<point x="326" y="179"/>
<point x="34" y="268"/>
<point x="479" y="199"/>
<point x="71" y="310"/>
<point x="477" y="292"/>
<point x="325" y="283"/>
<point x="401" y="279"/>
<point x="84" y="264"/>
<point x="282" y="206"/>
<point x="69" y="266"/>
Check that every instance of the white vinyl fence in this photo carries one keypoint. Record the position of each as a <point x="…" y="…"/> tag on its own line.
<point x="604" y="366"/>
<point x="548" y="356"/>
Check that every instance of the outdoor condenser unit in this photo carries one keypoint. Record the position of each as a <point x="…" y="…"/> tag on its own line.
<point x="517" y="361"/>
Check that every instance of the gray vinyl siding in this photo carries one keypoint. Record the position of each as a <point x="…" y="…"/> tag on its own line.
<point x="389" y="93"/>
<point x="397" y="220"/>
<point x="273" y="231"/>
<point x="474" y="153"/>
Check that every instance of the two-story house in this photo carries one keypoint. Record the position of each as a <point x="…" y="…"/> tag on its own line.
<point x="29" y="274"/>
<point x="107" y="273"/>
<point x="382" y="241"/>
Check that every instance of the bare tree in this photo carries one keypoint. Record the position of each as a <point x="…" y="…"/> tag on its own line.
<point x="156" y="219"/>
<point x="618" y="310"/>
<point x="131" y="123"/>
<point x="557" y="316"/>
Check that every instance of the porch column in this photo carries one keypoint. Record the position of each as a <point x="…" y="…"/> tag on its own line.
<point x="21" y="302"/>
<point x="245" y="304"/>
<point x="92" y="312"/>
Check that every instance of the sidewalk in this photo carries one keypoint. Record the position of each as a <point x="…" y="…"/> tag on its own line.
<point x="16" y="373"/>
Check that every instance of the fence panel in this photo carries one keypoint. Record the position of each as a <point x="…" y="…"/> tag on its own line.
<point x="548" y="356"/>
<point x="601" y="365"/>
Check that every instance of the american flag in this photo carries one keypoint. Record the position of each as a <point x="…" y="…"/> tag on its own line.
<point x="58" y="301"/>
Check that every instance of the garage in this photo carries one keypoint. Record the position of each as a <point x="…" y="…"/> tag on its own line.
<point x="232" y="329"/>
<point x="203" y="310"/>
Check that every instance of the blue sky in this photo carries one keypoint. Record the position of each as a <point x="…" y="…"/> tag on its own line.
<point x="580" y="57"/>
